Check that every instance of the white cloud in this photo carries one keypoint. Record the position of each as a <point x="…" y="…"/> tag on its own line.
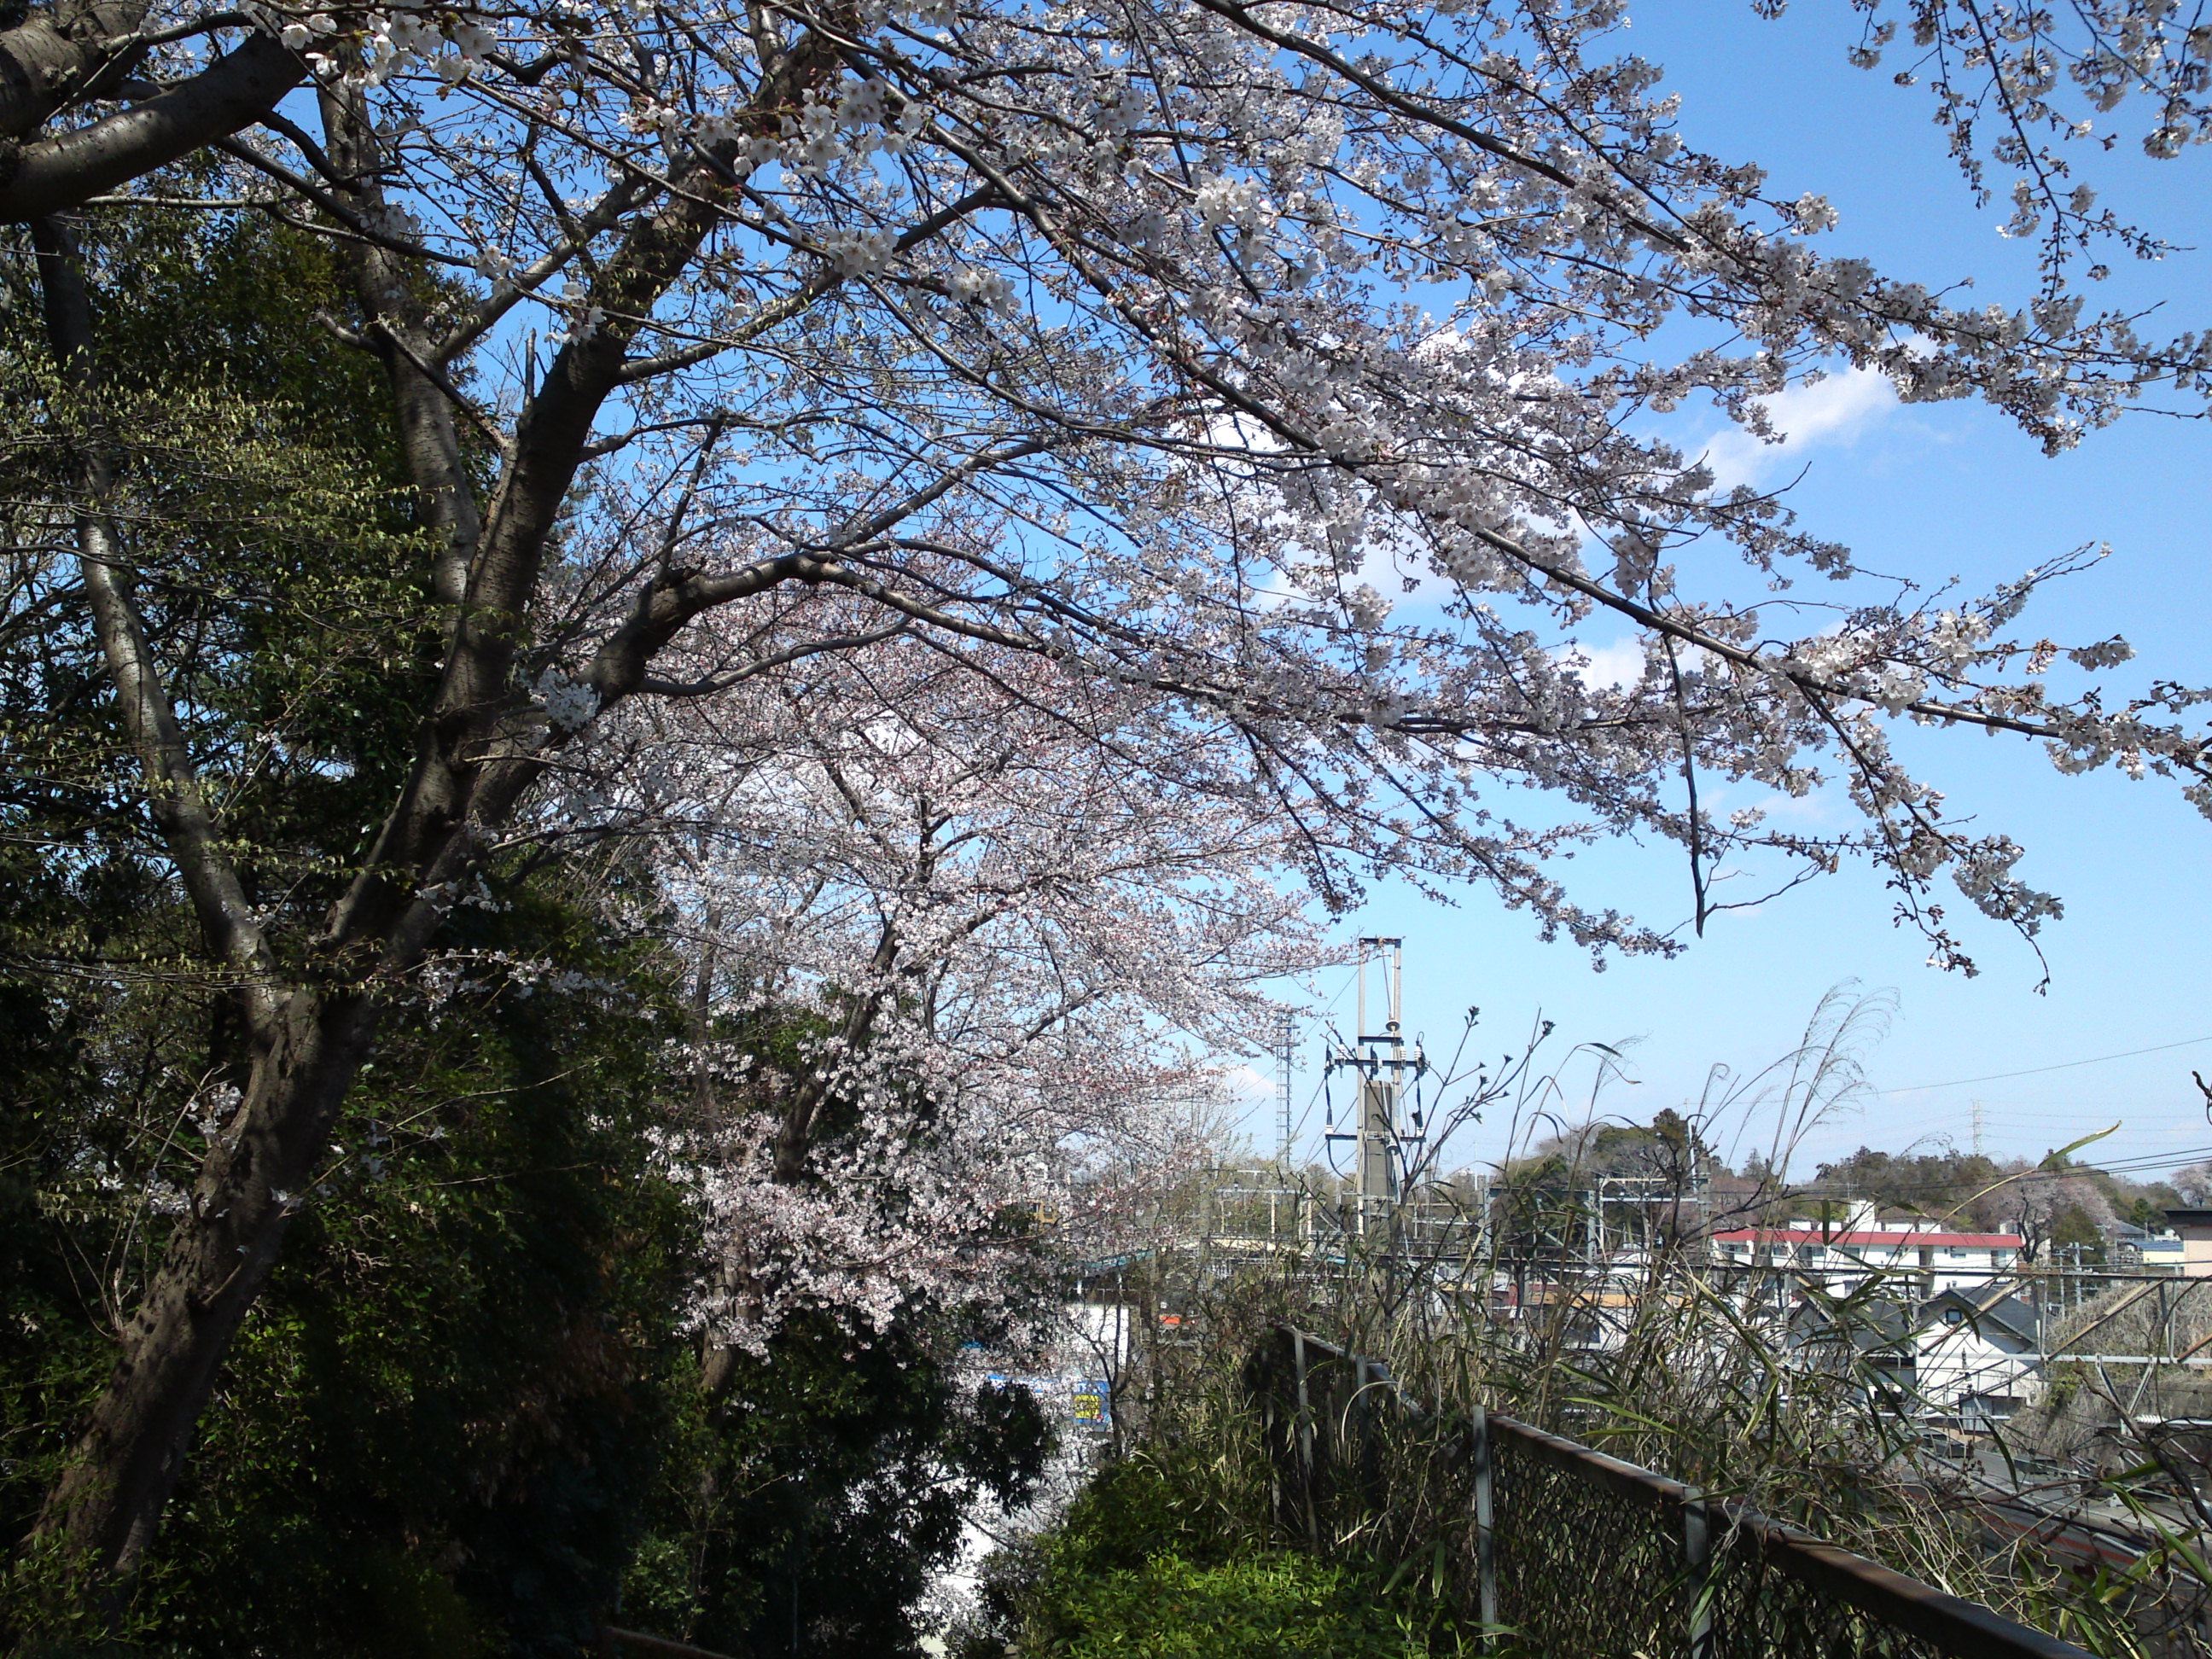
<point x="1621" y="663"/>
<point x="1248" y="1084"/>
<point x="1392" y="556"/>
<point x="1834" y="412"/>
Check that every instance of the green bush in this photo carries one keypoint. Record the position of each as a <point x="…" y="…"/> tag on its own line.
<point x="1274" y="1604"/>
<point x="1142" y="1506"/>
<point x="1162" y="1557"/>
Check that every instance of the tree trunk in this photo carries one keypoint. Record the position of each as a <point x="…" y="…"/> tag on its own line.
<point x="309" y="1032"/>
<point x="302" y="1049"/>
<point x="106" y="1505"/>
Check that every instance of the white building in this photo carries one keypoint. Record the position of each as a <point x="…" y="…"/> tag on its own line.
<point x="1975" y="1351"/>
<point x="1925" y="1260"/>
<point x="1962" y="1358"/>
<point x="2194" y="1227"/>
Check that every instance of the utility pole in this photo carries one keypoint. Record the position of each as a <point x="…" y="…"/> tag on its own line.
<point x="1383" y="1064"/>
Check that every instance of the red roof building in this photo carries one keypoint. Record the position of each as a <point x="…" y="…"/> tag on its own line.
<point x="1885" y="1239"/>
<point x="1841" y="1257"/>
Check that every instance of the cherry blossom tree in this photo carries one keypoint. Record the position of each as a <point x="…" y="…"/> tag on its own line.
<point x="1279" y="389"/>
<point x="2035" y="1204"/>
<point x="2035" y="91"/>
<point x="1012" y="919"/>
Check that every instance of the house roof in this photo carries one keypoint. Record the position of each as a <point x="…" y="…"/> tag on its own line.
<point x="1854" y="1240"/>
<point x="2145" y="1238"/>
<point x="1869" y="1325"/>
<point x="1882" y="1330"/>
<point x="1990" y="1304"/>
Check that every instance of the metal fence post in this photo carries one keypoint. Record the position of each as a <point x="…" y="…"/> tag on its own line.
<point x="1485" y="1551"/>
<point x="1306" y="1439"/>
<point x="1696" y="1570"/>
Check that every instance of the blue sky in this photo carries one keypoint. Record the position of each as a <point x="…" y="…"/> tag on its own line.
<point x="1941" y="490"/>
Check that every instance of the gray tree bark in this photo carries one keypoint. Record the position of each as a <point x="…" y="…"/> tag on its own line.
<point x="81" y="51"/>
<point x="304" y="1049"/>
<point x="310" y="1028"/>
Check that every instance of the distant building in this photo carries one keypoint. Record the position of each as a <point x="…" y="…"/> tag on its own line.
<point x="1975" y="1351"/>
<point x="2194" y="1227"/>
<point x="1964" y="1359"/>
<point x="2139" y="1249"/>
<point x="1842" y="1255"/>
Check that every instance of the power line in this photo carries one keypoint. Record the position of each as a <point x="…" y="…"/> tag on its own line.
<point x="2074" y="1111"/>
<point x="1313" y="1096"/>
<point x="2126" y="1165"/>
<point x="2117" y="1166"/>
<point x="2037" y="1071"/>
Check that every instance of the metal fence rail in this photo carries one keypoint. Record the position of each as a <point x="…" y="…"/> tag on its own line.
<point x="611" y="1638"/>
<point x="1583" y="1556"/>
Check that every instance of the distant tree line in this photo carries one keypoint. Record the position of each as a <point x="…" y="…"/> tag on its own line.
<point x="1662" y="1181"/>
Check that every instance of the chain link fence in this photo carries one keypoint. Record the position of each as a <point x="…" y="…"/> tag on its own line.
<point x="1566" y="1552"/>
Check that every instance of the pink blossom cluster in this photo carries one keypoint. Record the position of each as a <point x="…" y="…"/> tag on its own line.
<point x="1014" y="929"/>
<point x="1097" y="479"/>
